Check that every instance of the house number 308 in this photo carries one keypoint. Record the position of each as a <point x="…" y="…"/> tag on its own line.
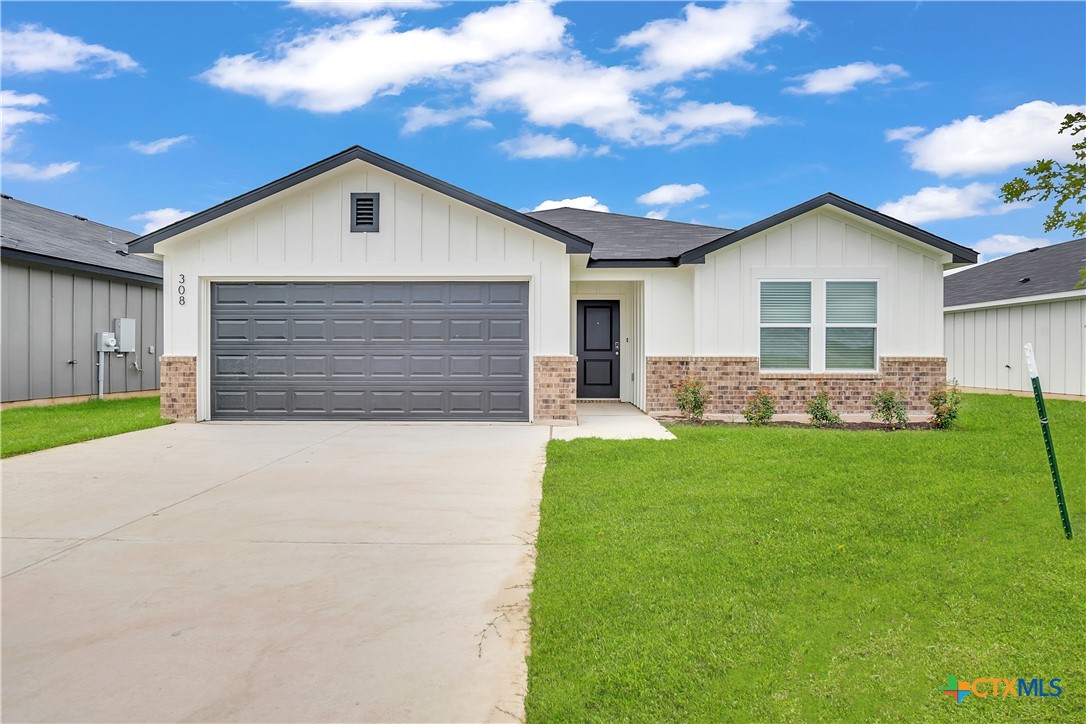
<point x="181" y="289"/>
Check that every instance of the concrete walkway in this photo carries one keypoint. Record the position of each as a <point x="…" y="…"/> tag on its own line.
<point x="276" y="572"/>
<point x="612" y="421"/>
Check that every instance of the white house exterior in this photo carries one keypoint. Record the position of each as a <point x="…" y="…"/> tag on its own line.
<point x="996" y="308"/>
<point x="280" y="304"/>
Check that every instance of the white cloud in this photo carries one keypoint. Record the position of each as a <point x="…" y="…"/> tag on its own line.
<point x="342" y="67"/>
<point x="518" y="57"/>
<point x="672" y="194"/>
<point x="162" y="145"/>
<point x="14" y="113"/>
<point x="975" y="145"/>
<point x="935" y="203"/>
<point x="540" y="145"/>
<point x="905" y="133"/>
<point x="157" y="218"/>
<point x="30" y="172"/>
<point x="355" y="8"/>
<point x="35" y="49"/>
<point x="844" y="78"/>
<point x="999" y="245"/>
<point x="589" y="203"/>
<point x="657" y="214"/>
<point x="710" y="38"/>
<point x="479" y="124"/>
<point x="557" y="92"/>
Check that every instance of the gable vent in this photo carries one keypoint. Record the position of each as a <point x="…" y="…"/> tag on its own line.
<point x="365" y="212"/>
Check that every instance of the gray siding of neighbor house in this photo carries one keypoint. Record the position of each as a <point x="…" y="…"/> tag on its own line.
<point x="49" y="319"/>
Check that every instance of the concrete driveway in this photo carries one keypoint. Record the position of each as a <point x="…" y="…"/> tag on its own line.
<point x="271" y="573"/>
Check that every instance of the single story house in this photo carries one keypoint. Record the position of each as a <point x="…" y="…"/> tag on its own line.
<point x="359" y="288"/>
<point x="65" y="279"/>
<point x="992" y="310"/>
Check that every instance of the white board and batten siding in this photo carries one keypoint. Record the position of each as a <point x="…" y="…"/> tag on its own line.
<point x="303" y="234"/>
<point x="822" y="245"/>
<point x="984" y="346"/>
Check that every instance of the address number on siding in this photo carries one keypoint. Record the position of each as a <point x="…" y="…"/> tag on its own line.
<point x="181" y="289"/>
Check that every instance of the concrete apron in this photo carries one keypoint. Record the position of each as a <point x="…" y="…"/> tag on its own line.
<point x="612" y="421"/>
<point x="272" y="572"/>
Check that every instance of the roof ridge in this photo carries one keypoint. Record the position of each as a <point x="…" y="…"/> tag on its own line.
<point x="65" y="214"/>
<point x="631" y="216"/>
<point x="1044" y="250"/>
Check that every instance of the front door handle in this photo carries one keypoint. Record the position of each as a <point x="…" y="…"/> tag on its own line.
<point x="616" y="349"/>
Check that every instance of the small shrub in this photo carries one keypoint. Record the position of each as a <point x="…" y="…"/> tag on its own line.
<point x="889" y="407"/>
<point x="945" y="402"/>
<point x="760" y="408"/>
<point x="820" y="410"/>
<point x="691" y="398"/>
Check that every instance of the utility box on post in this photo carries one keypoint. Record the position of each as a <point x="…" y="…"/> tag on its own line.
<point x="125" y="330"/>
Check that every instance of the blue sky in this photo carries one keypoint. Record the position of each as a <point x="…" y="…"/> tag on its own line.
<point x="715" y="113"/>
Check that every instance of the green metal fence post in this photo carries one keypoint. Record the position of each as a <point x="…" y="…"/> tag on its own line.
<point x="1043" y="414"/>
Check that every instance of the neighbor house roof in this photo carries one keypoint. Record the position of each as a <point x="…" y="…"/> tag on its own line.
<point x="40" y="235"/>
<point x="1046" y="270"/>
<point x="574" y="244"/>
<point x="621" y="237"/>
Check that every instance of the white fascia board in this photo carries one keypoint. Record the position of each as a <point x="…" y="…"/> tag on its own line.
<point x="1017" y="301"/>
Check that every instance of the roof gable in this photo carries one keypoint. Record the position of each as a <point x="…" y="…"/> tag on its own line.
<point x="574" y="244"/>
<point x="960" y="254"/>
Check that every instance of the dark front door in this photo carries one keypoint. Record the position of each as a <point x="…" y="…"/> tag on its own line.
<point x="597" y="349"/>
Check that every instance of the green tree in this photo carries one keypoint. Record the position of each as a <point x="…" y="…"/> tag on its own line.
<point x="1064" y="183"/>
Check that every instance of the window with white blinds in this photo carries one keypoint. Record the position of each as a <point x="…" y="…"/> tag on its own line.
<point x="785" y="325"/>
<point x="851" y="325"/>
<point x="820" y="326"/>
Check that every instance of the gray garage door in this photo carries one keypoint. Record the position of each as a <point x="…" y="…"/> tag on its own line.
<point x="370" y="351"/>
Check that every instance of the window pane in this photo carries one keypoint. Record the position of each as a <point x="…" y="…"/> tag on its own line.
<point x="850" y="348"/>
<point x="786" y="302"/>
<point x="786" y="348"/>
<point x="851" y="302"/>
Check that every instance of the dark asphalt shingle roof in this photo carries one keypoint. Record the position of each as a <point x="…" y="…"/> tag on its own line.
<point x="1050" y="269"/>
<point x="44" y="232"/>
<point x="617" y="236"/>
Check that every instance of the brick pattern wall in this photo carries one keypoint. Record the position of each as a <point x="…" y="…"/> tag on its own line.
<point x="177" y="377"/>
<point x="732" y="380"/>
<point x="555" y="387"/>
<point x="915" y="376"/>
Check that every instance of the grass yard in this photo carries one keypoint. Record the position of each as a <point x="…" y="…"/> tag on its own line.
<point x="743" y="574"/>
<point x="27" y="429"/>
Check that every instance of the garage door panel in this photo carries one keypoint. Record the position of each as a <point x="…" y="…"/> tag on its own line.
<point x="339" y="350"/>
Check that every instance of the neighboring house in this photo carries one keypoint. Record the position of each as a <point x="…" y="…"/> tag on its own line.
<point x="359" y="288"/>
<point x="993" y="310"/>
<point x="64" y="280"/>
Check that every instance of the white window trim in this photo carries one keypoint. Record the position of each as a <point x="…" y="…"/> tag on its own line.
<point x="816" y="338"/>
<point x="810" y="326"/>
<point x="853" y="325"/>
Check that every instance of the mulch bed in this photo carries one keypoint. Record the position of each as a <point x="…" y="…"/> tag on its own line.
<point x="867" y="425"/>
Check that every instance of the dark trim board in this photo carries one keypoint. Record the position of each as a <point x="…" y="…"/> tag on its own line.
<point x="42" y="260"/>
<point x="961" y="254"/>
<point x="574" y="244"/>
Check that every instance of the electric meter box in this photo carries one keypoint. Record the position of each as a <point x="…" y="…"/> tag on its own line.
<point x="125" y="331"/>
<point x="107" y="342"/>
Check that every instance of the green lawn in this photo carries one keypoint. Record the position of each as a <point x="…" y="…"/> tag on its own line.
<point x="742" y="574"/>
<point x="27" y="429"/>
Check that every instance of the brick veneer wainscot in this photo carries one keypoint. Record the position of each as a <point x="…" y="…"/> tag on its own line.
<point x="732" y="380"/>
<point x="555" y="387"/>
<point x="177" y="377"/>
